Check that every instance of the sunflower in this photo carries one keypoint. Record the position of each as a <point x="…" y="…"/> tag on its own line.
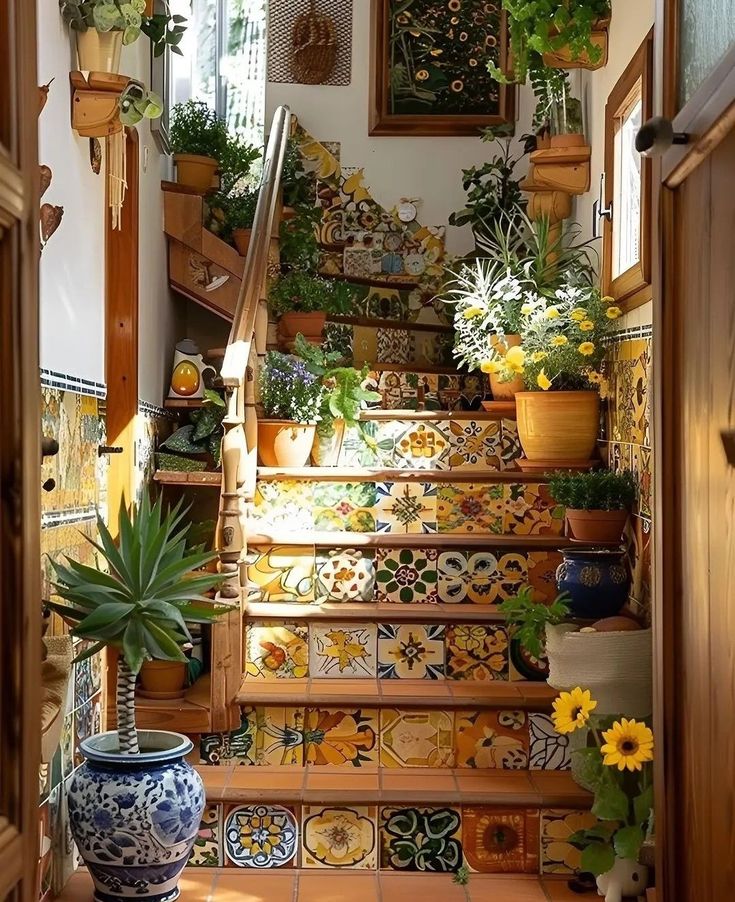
<point x="572" y="710"/>
<point x="628" y="744"/>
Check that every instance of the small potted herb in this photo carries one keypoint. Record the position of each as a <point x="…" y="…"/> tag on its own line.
<point x="232" y="217"/>
<point x="302" y="302"/>
<point x="198" y="142"/>
<point x="597" y="503"/>
<point x="291" y="399"/>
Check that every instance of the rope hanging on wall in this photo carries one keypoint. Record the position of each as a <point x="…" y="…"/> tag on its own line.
<point x="117" y="182"/>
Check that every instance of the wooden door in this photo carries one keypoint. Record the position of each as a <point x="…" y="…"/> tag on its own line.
<point x="694" y="330"/>
<point x="20" y="472"/>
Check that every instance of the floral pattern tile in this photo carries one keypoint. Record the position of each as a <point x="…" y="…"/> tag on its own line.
<point x="339" y="837"/>
<point x="421" y="839"/>
<point x="480" y="577"/>
<point x="548" y="749"/>
<point x="282" y="504"/>
<point x="368" y="446"/>
<point x="491" y="739"/>
<point x="397" y="390"/>
<point x="406" y="507"/>
<point x="261" y="836"/>
<point x="416" y="738"/>
<point x="470" y="508"/>
<point x="542" y="566"/>
<point x="510" y="445"/>
<point x="406" y="575"/>
<point x="411" y="651"/>
<point x="207" y="851"/>
<point x="628" y="369"/>
<point x="558" y="855"/>
<point x="477" y="652"/>
<point x="344" y="506"/>
<point x="267" y="736"/>
<point x="345" y="575"/>
<point x="342" y="650"/>
<point x="423" y="446"/>
<point x="281" y="573"/>
<point x="641" y="466"/>
<point x="341" y="737"/>
<point x="500" y="840"/>
<point x="474" y="444"/>
<point x="394" y="346"/>
<point x="530" y="511"/>
<point x="276" y="651"/>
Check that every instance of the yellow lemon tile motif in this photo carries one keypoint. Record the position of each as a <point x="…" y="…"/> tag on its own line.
<point x="342" y="650"/>
<point x="276" y="651"/>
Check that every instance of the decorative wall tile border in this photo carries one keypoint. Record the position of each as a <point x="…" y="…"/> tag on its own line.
<point x="645" y="331"/>
<point x="66" y="517"/>
<point x="145" y="408"/>
<point x="52" y="379"/>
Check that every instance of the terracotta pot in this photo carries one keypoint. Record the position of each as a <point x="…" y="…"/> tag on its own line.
<point x="558" y="425"/>
<point x="284" y="443"/>
<point x="571" y="140"/>
<point x="241" y="237"/>
<point x="596" y="526"/>
<point x="99" y="51"/>
<point x="163" y="676"/>
<point x="326" y="448"/>
<point x="505" y="391"/>
<point x="310" y="325"/>
<point x="194" y="170"/>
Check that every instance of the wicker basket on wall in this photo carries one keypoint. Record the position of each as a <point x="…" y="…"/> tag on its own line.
<point x="313" y="46"/>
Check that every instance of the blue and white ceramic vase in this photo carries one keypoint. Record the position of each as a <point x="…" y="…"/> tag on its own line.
<point x="135" y="817"/>
<point x="597" y="581"/>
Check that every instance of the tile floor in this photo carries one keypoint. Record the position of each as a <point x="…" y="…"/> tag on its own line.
<point x="305" y="886"/>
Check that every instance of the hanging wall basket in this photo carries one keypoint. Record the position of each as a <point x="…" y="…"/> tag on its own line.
<point x="313" y="46"/>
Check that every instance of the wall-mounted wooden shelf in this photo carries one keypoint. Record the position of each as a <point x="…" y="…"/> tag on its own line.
<point x="95" y="110"/>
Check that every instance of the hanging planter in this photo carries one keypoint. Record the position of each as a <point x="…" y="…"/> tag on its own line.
<point x="565" y="58"/>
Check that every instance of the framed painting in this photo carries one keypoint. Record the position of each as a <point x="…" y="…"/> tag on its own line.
<point x="429" y="67"/>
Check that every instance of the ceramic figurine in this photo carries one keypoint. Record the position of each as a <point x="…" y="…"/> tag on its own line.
<point x="625" y="878"/>
<point x="189" y="368"/>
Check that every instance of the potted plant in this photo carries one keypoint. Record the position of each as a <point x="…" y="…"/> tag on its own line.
<point x="137" y="104"/>
<point x="527" y="619"/>
<point x="343" y="398"/>
<point x="618" y="765"/>
<point x="135" y="804"/>
<point x="199" y="440"/>
<point x="103" y="26"/>
<point x="302" y="302"/>
<point x="232" y="217"/>
<point x="291" y="398"/>
<point x="596" y="503"/>
<point x="198" y="142"/>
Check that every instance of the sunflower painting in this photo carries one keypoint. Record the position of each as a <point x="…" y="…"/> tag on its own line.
<point x="431" y="67"/>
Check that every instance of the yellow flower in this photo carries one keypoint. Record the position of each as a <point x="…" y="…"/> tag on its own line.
<point x="608" y="300"/>
<point x="490" y="366"/>
<point x="472" y="312"/>
<point x="572" y="710"/>
<point x="586" y="348"/>
<point x="558" y="341"/>
<point x="527" y="309"/>
<point x="543" y="381"/>
<point x="515" y="359"/>
<point x="422" y="75"/>
<point x="628" y="744"/>
<point x="552" y="313"/>
<point x="578" y="314"/>
<point x="586" y="325"/>
<point x="538" y="356"/>
<point x="594" y="377"/>
<point x="613" y="312"/>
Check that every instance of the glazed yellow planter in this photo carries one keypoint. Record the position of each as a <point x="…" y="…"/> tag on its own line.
<point x="284" y="443"/>
<point x="558" y="426"/>
<point x="99" y="51"/>
<point x="195" y="170"/>
<point x="505" y="391"/>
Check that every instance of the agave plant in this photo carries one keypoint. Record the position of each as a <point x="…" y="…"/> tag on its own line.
<point x="142" y="602"/>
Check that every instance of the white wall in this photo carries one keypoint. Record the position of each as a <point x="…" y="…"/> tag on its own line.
<point x="72" y="272"/>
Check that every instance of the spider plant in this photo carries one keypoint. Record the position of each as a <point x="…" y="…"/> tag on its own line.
<point x="142" y="601"/>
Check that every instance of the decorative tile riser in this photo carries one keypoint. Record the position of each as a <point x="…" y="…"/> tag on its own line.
<point x="483" y="577"/>
<point x="429" y="391"/>
<point x="435" y="840"/>
<point x="350" y="737"/>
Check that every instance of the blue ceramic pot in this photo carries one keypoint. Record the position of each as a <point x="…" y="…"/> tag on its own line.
<point x="597" y="581"/>
<point x="135" y="817"/>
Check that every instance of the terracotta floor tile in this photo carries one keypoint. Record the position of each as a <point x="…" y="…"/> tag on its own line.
<point x="341" y="780"/>
<point x="426" y="887"/>
<point x="515" y="787"/>
<point x="557" y="890"/>
<point x="421" y="688"/>
<point x="418" y="781"/>
<point x="469" y="689"/>
<point x="483" y="887"/>
<point x="289" y="779"/>
<point x="558" y="788"/>
<point x="215" y="777"/>
<point x="196" y="886"/>
<point x="338" y="888"/>
<point x="246" y="886"/>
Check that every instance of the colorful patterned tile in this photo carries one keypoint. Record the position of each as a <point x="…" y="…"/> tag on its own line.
<point x="421" y="839"/>
<point x="344" y="506"/>
<point x="67" y="745"/>
<point x="474" y="391"/>
<point x="281" y="573"/>
<point x="531" y="511"/>
<point x="398" y="390"/>
<point x="284" y="504"/>
<point x="342" y="737"/>
<point x="619" y="457"/>
<point x="510" y="445"/>
<point x="630" y="366"/>
<point x="261" y="836"/>
<point x="523" y="666"/>
<point x="207" y="851"/>
<point x="339" y="339"/>
<point x="501" y="840"/>
<point x="474" y="444"/>
<point x="477" y="652"/>
<point x="423" y="446"/>
<point x="491" y="739"/>
<point x="236" y="747"/>
<point x="394" y="346"/>
<point x="549" y="750"/>
<point x="367" y="446"/>
<point x="640" y="560"/>
<point x="342" y="650"/>
<point x="339" y="837"/>
<point x="641" y="468"/>
<point x="364" y="345"/>
<point x="406" y="575"/>
<point x="542" y="566"/>
<point x="276" y="651"/>
<point x="416" y="738"/>
<point x="406" y="507"/>
<point x="558" y="855"/>
<point x="470" y="508"/>
<point x="345" y="575"/>
<point x="480" y="577"/>
<point x="411" y="651"/>
<point x="65" y="539"/>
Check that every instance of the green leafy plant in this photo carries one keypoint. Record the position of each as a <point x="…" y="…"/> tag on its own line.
<point x="236" y="164"/>
<point x="305" y="293"/>
<point x="528" y="618"/>
<point x="142" y="601"/>
<point x="196" y="129"/>
<point x="136" y="104"/>
<point x="228" y="212"/>
<point x="599" y="490"/>
<point x="298" y="238"/>
<point x="289" y="390"/>
<point x="162" y="29"/>
<point x="203" y="435"/>
<point x="298" y="186"/>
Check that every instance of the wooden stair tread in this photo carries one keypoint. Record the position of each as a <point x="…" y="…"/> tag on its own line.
<point x="190" y="714"/>
<point x="400" y="693"/>
<point x="394" y="474"/>
<point x="396" y="540"/>
<point x="388" y="785"/>
<point x="186" y="477"/>
<point x="433" y="415"/>
<point x="371" y="612"/>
